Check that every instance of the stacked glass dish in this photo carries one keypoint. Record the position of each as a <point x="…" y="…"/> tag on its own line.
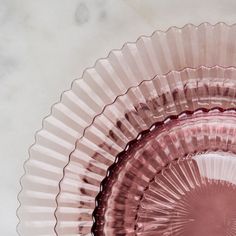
<point x="144" y="143"/>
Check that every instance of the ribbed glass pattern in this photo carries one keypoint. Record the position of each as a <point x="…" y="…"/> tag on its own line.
<point x="123" y="121"/>
<point x="156" y="185"/>
<point x="59" y="189"/>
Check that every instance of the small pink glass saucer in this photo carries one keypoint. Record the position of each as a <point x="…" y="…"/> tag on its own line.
<point x="177" y="178"/>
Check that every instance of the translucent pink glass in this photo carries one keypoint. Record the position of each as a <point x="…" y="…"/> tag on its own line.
<point x="59" y="187"/>
<point x="98" y="153"/>
<point x="177" y="179"/>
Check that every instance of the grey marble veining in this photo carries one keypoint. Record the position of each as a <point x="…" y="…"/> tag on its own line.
<point x="46" y="44"/>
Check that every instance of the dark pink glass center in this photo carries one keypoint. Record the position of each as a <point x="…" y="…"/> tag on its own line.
<point x="193" y="196"/>
<point x="206" y="210"/>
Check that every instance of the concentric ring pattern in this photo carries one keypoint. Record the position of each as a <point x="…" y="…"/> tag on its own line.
<point x="123" y="121"/>
<point x="58" y="193"/>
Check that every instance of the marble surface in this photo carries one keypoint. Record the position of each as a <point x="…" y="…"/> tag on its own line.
<point x="46" y="44"/>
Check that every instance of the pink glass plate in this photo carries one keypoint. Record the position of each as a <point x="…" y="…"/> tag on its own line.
<point x="178" y="178"/>
<point x="160" y="53"/>
<point x="152" y="102"/>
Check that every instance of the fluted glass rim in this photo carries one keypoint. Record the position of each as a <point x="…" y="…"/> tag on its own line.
<point x="81" y="78"/>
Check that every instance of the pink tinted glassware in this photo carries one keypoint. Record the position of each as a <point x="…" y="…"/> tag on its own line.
<point x="175" y="97"/>
<point x="177" y="179"/>
<point x="50" y="208"/>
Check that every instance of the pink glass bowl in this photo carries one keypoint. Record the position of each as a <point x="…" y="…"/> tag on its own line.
<point x="51" y="202"/>
<point x="177" y="178"/>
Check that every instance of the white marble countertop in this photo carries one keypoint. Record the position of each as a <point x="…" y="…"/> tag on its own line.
<point x="45" y="44"/>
